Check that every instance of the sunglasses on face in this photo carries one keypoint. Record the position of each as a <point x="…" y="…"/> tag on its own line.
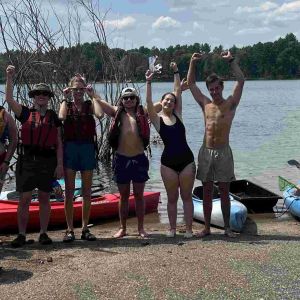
<point x="41" y="93"/>
<point x="77" y="90"/>
<point x="128" y="98"/>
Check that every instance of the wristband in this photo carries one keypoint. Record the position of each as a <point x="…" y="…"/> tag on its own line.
<point x="176" y="72"/>
<point x="6" y="162"/>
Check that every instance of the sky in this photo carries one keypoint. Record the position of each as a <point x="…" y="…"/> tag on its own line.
<point x="161" y="23"/>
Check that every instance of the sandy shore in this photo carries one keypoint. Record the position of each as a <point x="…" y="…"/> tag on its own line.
<point x="261" y="263"/>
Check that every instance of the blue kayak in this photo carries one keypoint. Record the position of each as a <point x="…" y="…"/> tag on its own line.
<point x="291" y="201"/>
<point x="238" y="212"/>
<point x="14" y="195"/>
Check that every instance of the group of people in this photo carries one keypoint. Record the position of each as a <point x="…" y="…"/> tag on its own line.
<point x="52" y="145"/>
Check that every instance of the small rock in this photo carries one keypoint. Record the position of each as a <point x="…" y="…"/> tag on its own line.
<point x="41" y="261"/>
<point x="49" y="259"/>
<point x="30" y="241"/>
<point x="180" y="243"/>
<point x="169" y="251"/>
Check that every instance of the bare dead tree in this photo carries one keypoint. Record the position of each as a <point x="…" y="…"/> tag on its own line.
<point x="53" y="54"/>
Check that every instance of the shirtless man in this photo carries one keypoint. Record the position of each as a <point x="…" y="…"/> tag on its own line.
<point x="215" y="160"/>
<point x="130" y="164"/>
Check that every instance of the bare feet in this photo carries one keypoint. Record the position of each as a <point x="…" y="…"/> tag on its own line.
<point x="143" y="233"/>
<point x="203" y="233"/>
<point x="228" y="232"/>
<point x="120" y="233"/>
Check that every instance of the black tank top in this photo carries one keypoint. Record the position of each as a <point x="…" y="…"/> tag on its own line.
<point x="176" y="149"/>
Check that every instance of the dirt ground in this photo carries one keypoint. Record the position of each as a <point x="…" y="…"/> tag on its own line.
<point x="261" y="263"/>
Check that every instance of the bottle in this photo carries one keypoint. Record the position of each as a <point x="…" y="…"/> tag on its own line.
<point x="57" y="190"/>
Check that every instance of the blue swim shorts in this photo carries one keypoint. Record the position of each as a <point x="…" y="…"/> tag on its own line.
<point x="79" y="156"/>
<point x="134" y="168"/>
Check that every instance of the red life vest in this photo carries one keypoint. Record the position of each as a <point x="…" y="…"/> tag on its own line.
<point x="39" y="131"/>
<point x="80" y="126"/>
<point x="142" y="121"/>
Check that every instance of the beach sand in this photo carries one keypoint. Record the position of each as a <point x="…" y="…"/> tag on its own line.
<point x="261" y="263"/>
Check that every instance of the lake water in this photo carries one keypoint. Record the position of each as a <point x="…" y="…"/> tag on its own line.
<point x="264" y="134"/>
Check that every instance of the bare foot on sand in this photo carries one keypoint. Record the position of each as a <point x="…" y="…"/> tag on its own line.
<point x="120" y="233"/>
<point x="228" y="232"/>
<point x="203" y="233"/>
<point x="143" y="233"/>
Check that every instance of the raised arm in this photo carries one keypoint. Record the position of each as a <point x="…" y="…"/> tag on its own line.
<point x="238" y="87"/>
<point x="154" y="118"/>
<point x="107" y="108"/>
<point x="13" y="104"/>
<point x="177" y="89"/>
<point x="191" y="79"/>
<point x="63" y="109"/>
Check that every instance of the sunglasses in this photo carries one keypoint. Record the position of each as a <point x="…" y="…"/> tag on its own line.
<point x="128" y="98"/>
<point x="78" y="89"/>
<point x="41" y="93"/>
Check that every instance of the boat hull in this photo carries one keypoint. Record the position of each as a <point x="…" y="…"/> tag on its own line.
<point x="257" y="199"/>
<point x="102" y="207"/>
<point x="292" y="202"/>
<point x="238" y="211"/>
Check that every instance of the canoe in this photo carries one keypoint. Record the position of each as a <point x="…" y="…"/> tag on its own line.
<point x="238" y="211"/>
<point x="291" y="201"/>
<point x="256" y="198"/>
<point x="102" y="207"/>
<point x="14" y="195"/>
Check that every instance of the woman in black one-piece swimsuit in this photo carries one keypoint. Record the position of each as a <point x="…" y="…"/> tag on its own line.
<point x="177" y="160"/>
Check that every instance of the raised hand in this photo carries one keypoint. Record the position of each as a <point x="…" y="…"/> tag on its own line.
<point x="149" y="75"/>
<point x="197" y="56"/>
<point x="90" y="91"/>
<point x="184" y="85"/>
<point x="226" y="55"/>
<point x="10" y="71"/>
<point x="67" y="92"/>
<point x="173" y="66"/>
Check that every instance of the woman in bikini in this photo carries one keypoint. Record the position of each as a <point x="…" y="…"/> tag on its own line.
<point x="177" y="160"/>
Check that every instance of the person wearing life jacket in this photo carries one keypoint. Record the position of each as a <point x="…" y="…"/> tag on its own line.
<point x="79" y="149"/>
<point x="8" y="142"/>
<point x="40" y="156"/>
<point x="129" y="136"/>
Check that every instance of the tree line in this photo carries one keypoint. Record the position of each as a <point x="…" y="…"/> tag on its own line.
<point x="271" y="60"/>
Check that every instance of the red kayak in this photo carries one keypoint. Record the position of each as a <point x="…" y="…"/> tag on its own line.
<point x="104" y="206"/>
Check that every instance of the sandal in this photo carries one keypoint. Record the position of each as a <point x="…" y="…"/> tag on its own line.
<point x="86" y="235"/>
<point x="69" y="236"/>
<point x="44" y="239"/>
<point x="19" y="241"/>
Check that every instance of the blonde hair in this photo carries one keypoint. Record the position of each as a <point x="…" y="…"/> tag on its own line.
<point x="78" y="78"/>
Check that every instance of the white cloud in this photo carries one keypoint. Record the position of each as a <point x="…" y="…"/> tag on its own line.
<point x="197" y="26"/>
<point x="268" y="6"/>
<point x="125" y="23"/>
<point x="260" y="30"/>
<point x="165" y="23"/>
<point x="293" y="6"/>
